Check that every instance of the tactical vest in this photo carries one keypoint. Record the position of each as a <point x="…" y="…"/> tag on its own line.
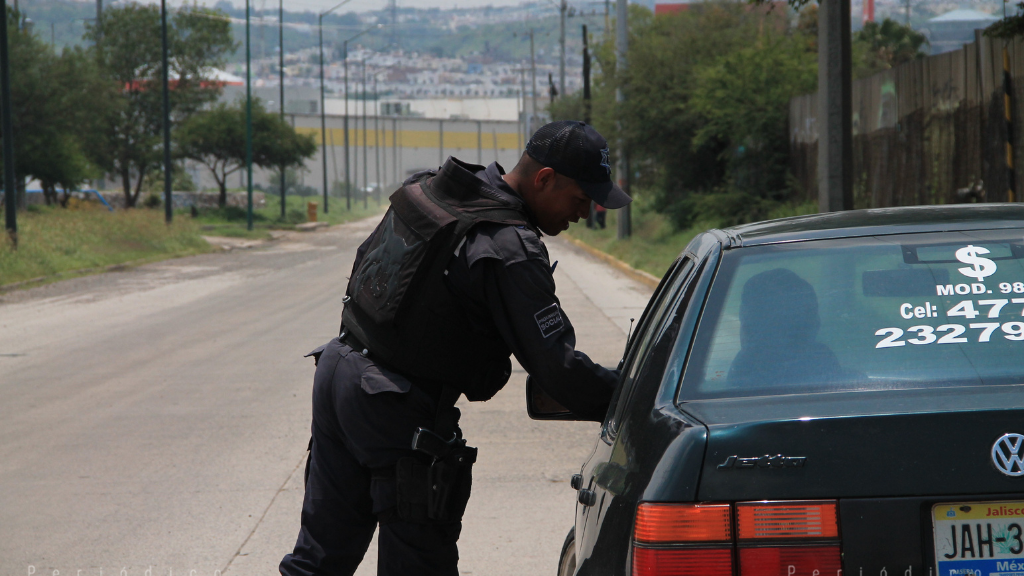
<point x="397" y="303"/>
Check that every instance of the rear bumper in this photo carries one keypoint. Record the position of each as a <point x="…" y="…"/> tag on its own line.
<point x="894" y="534"/>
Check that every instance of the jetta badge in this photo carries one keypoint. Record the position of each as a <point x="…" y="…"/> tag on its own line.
<point x="1006" y="454"/>
<point x="766" y="461"/>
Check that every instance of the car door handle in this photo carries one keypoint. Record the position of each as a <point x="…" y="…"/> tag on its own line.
<point x="576" y="482"/>
<point x="586" y="497"/>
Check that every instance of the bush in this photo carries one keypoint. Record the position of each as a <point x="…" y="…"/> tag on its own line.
<point x="152" y="200"/>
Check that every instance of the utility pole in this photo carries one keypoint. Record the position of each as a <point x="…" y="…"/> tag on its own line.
<point x="621" y="47"/>
<point x="383" y="144"/>
<point x="586" y="108"/>
<point x="533" y="76"/>
<point x="323" y="113"/>
<point x="165" y="77"/>
<point x="835" y="105"/>
<point x="99" y="19"/>
<point x="280" y="81"/>
<point x="248" y="120"/>
<point x="562" y="8"/>
<point x="348" y="181"/>
<point x="525" y="119"/>
<point x="366" y="172"/>
<point x="586" y="77"/>
<point x="7" y="125"/>
<point x="376" y="139"/>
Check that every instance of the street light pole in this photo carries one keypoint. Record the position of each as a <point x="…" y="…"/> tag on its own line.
<point x="376" y="139"/>
<point x="165" y="75"/>
<point x="280" y="81"/>
<point x="366" y="169"/>
<point x="323" y="113"/>
<point x="248" y="120"/>
<point x="7" y="125"/>
<point x="348" y="182"/>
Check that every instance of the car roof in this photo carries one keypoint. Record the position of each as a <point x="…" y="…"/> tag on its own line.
<point x="878" y="221"/>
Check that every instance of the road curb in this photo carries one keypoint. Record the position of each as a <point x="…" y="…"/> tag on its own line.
<point x="649" y="280"/>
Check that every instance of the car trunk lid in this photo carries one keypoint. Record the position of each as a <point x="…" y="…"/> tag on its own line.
<point x="858" y="445"/>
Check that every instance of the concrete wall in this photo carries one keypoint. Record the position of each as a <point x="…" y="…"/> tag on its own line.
<point x="406" y="146"/>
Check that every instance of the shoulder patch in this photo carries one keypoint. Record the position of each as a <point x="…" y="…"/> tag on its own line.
<point x="549" y="320"/>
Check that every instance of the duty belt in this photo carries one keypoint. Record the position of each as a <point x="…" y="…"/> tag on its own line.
<point x="439" y="391"/>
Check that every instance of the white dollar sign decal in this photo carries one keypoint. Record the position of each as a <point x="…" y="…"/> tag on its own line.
<point x="980" y="267"/>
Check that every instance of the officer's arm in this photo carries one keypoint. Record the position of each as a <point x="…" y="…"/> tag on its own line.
<point x="521" y="300"/>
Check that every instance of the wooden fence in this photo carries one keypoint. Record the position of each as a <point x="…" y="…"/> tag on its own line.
<point x="925" y="129"/>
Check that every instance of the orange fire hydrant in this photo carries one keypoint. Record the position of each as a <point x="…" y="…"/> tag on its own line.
<point x="311" y="211"/>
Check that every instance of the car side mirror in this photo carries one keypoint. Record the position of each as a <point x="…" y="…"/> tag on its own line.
<point x="540" y="406"/>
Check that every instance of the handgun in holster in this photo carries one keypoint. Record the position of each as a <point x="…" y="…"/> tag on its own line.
<point x="450" y="474"/>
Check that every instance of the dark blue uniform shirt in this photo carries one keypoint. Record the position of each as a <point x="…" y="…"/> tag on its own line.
<point x="504" y="276"/>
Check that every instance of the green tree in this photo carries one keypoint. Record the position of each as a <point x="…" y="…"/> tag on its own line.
<point x="32" y="103"/>
<point x="129" y="54"/>
<point x="882" y="46"/>
<point x="706" y="105"/>
<point x="58" y="105"/>
<point x="743" y="99"/>
<point x="216" y="139"/>
<point x="1009" y="27"/>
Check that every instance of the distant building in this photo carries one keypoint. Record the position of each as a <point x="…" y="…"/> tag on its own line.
<point x="953" y="29"/>
<point x="672" y="6"/>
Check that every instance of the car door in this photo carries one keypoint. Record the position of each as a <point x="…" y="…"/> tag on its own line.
<point x="604" y="474"/>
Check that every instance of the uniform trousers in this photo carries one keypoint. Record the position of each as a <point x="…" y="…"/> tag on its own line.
<point x="364" y="418"/>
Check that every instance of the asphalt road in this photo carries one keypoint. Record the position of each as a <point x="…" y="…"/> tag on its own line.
<point x="154" y="421"/>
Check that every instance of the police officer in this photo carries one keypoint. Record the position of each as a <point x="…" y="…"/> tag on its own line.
<point x="453" y="281"/>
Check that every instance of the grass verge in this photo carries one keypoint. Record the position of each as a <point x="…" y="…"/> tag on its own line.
<point x="655" y="242"/>
<point x="55" y="242"/>
<point x="231" y="221"/>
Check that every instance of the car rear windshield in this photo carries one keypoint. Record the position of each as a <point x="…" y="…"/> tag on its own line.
<point x="885" y="312"/>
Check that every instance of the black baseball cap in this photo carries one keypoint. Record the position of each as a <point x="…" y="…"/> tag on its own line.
<point x="574" y="149"/>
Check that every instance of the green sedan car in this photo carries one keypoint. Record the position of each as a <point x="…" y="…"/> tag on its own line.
<point x="819" y="396"/>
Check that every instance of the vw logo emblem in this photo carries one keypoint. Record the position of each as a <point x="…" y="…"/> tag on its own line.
<point x="1007" y="454"/>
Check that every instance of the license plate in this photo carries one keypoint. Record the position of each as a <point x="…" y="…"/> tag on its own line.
<point x="979" y="538"/>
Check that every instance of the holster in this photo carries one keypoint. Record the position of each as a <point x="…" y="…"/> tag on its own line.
<point x="437" y="491"/>
<point x="451" y="481"/>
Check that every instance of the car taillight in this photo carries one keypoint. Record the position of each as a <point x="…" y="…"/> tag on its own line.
<point x="682" y="562"/>
<point x="764" y="520"/>
<point x="788" y="538"/>
<point x="683" y="540"/>
<point x="767" y="539"/>
<point x="790" y="561"/>
<point x="663" y="523"/>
